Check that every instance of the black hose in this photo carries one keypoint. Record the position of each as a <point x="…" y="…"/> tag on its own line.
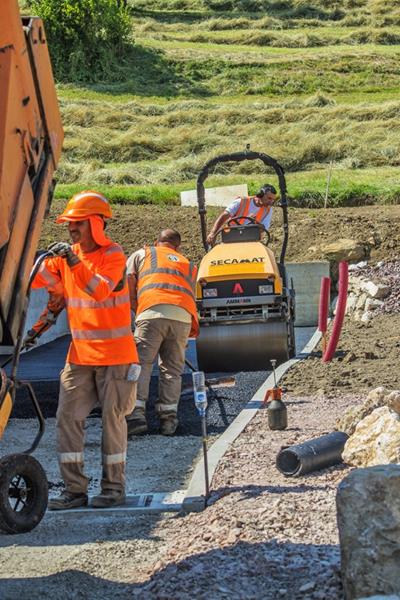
<point x="322" y="452"/>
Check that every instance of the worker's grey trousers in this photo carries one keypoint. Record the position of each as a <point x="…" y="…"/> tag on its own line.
<point x="167" y="339"/>
<point x="81" y="389"/>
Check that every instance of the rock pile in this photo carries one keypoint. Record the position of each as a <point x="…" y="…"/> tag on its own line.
<point x="389" y="273"/>
<point x="376" y="399"/>
<point x="373" y="290"/>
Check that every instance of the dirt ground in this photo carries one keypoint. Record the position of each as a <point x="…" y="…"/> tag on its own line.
<point x="377" y="227"/>
<point x="367" y="357"/>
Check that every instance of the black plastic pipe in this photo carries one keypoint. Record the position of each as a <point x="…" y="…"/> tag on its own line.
<point x="320" y="453"/>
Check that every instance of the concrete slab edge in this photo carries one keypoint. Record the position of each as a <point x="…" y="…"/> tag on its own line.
<point x="194" y="500"/>
<point x="140" y="503"/>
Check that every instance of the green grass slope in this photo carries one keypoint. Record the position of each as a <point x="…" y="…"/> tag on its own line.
<point x="311" y="83"/>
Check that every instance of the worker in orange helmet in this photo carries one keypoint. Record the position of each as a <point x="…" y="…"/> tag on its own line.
<point x="102" y="361"/>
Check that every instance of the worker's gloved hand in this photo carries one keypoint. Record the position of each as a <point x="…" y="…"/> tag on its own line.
<point x="30" y="339"/>
<point x="64" y="250"/>
<point x="60" y="248"/>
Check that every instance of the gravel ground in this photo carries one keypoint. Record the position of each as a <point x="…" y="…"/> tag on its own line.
<point x="263" y="535"/>
<point x="155" y="463"/>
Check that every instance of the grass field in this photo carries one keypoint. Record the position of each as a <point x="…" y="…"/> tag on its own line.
<point x="308" y="84"/>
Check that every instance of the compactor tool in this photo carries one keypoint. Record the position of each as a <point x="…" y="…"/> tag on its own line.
<point x="246" y="307"/>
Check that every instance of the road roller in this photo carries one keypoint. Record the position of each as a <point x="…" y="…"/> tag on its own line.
<point x="246" y="305"/>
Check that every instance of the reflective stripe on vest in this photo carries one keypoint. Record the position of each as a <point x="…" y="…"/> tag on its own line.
<point x="244" y="211"/>
<point x="47" y="276"/>
<point x="108" y="303"/>
<point x="94" y="282"/>
<point x="100" y="334"/>
<point x="165" y="286"/>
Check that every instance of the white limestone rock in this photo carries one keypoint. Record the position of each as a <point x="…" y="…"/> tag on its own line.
<point x="375" y="441"/>
<point x="366" y="317"/>
<point x="376" y="290"/>
<point x="372" y="304"/>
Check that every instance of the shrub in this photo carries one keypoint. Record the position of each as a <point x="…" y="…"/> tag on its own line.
<point x="86" y="37"/>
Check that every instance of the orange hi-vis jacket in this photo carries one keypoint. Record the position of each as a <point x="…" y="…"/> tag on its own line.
<point x="97" y="302"/>
<point x="167" y="277"/>
<point x="244" y="211"/>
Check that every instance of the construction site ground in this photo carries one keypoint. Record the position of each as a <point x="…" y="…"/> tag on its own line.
<point x="263" y="535"/>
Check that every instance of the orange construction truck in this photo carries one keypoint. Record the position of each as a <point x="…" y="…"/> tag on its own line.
<point x="31" y="137"/>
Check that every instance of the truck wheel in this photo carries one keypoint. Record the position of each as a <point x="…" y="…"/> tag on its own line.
<point x="23" y="493"/>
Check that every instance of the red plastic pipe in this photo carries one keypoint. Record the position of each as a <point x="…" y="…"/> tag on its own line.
<point x="340" y="311"/>
<point x="324" y="296"/>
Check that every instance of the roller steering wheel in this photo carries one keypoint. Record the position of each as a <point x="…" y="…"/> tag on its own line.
<point x="251" y="220"/>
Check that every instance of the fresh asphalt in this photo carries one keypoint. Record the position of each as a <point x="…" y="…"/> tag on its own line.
<point x="41" y="366"/>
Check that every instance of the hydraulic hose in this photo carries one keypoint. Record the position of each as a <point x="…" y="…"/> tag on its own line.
<point x="340" y="312"/>
<point x="319" y="453"/>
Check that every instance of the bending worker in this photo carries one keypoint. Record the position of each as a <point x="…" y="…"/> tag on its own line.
<point x="161" y="284"/>
<point x="102" y="359"/>
<point x="259" y="207"/>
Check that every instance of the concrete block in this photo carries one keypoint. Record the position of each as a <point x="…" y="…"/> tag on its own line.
<point x="219" y="196"/>
<point x="193" y="504"/>
<point x="307" y="283"/>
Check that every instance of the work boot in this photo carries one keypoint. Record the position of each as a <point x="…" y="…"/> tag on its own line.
<point x="136" y="422"/>
<point x="67" y="500"/>
<point x="108" y="499"/>
<point x="168" y="426"/>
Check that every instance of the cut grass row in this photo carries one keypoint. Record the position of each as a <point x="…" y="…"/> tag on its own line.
<point x="172" y="70"/>
<point x="337" y="10"/>
<point x="298" y="38"/>
<point x="143" y="143"/>
<point x="348" y="187"/>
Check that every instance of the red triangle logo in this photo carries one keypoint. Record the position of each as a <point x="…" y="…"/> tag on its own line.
<point x="237" y="289"/>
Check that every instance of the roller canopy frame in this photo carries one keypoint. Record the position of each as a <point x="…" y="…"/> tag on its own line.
<point x="238" y="157"/>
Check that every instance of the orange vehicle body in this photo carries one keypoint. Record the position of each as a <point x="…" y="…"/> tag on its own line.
<point x="31" y="137"/>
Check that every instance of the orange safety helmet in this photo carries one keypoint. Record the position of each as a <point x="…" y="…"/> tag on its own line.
<point x="85" y="204"/>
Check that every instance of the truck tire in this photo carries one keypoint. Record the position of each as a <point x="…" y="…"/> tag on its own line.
<point x="23" y="493"/>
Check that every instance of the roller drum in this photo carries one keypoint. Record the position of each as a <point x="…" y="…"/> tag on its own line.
<point x="241" y="346"/>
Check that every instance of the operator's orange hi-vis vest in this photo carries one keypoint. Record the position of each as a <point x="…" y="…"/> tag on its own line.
<point x="97" y="301"/>
<point x="167" y="277"/>
<point x="244" y="211"/>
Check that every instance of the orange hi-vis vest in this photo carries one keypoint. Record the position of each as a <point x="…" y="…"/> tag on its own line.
<point x="244" y="211"/>
<point x="97" y="302"/>
<point x="167" y="277"/>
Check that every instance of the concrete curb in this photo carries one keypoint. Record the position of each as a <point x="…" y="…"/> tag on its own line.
<point x="194" y="500"/>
